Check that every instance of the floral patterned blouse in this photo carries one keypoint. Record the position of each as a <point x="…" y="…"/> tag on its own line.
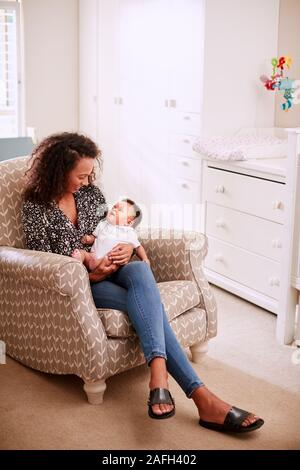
<point x="49" y="229"/>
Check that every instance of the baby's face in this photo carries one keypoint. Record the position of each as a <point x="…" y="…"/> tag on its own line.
<point x="121" y="213"/>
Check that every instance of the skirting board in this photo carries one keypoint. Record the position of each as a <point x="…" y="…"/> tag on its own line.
<point x="242" y="291"/>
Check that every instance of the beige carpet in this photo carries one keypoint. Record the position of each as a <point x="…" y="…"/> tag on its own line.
<point x="40" y="411"/>
<point x="247" y="341"/>
<point x="245" y="366"/>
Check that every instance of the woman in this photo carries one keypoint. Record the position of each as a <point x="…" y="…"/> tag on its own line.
<point x="61" y="205"/>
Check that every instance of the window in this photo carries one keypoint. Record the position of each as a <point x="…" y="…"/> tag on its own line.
<point x="10" y="118"/>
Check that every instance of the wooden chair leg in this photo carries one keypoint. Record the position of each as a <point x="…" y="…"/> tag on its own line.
<point x="198" y="351"/>
<point x="95" y="391"/>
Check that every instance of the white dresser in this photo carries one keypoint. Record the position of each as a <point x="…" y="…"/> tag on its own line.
<point x="243" y="206"/>
<point x="250" y="212"/>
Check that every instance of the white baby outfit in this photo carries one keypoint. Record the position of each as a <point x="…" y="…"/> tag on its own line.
<point x="109" y="235"/>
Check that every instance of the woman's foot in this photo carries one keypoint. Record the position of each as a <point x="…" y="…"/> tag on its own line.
<point x="159" y="379"/>
<point x="214" y="410"/>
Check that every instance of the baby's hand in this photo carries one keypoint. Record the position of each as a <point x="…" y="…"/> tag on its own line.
<point x="87" y="239"/>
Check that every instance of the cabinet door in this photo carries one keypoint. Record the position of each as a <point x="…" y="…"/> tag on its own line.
<point x="109" y="92"/>
<point x="88" y="92"/>
<point x="185" y="77"/>
<point x="143" y="82"/>
<point x="130" y="54"/>
<point x="147" y="56"/>
<point x="154" y="122"/>
<point x="185" y="25"/>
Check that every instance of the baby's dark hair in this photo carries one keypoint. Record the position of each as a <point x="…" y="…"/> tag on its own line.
<point x="137" y="210"/>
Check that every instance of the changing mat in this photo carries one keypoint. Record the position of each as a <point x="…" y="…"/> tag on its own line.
<point x="241" y="147"/>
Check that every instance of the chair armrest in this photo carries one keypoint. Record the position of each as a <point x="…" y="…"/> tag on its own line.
<point x="169" y="252"/>
<point x="175" y="255"/>
<point x="40" y="269"/>
<point x="47" y="314"/>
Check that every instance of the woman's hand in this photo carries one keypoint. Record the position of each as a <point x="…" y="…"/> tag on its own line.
<point x="105" y="268"/>
<point x="121" y="253"/>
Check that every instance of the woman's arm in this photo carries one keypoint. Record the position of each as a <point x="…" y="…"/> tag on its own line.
<point x="104" y="269"/>
<point x="34" y="226"/>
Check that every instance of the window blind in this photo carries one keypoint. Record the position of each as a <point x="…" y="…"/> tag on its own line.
<point x="9" y="69"/>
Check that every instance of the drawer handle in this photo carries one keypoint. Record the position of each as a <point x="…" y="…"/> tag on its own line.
<point x="170" y="103"/>
<point x="277" y="205"/>
<point x="187" y="118"/>
<point x="219" y="188"/>
<point x="218" y="257"/>
<point x="185" y="163"/>
<point x="185" y="186"/>
<point x="186" y="141"/>
<point x="220" y="223"/>
<point x="276" y="243"/>
<point x="274" y="281"/>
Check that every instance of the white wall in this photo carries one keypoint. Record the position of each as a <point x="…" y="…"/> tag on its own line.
<point x="51" y="65"/>
<point x="240" y="40"/>
<point x="289" y="44"/>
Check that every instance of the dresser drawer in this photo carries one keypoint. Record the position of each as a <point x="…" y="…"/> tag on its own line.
<point x="249" y="269"/>
<point x="246" y="231"/>
<point x="248" y="194"/>
<point x="182" y="144"/>
<point x="186" y="191"/>
<point x="187" y="123"/>
<point x="187" y="168"/>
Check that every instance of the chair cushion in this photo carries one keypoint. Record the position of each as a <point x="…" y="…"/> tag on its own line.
<point x="177" y="296"/>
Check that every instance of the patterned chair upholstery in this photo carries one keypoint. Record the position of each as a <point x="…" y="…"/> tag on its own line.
<point x="48" y="318"/>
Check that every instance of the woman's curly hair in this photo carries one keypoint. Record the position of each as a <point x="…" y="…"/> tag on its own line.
<point x="51" y="162"/>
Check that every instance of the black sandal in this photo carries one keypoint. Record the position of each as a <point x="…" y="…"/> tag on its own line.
<point x="159" y="396"/>
<point x="233" y="422"/>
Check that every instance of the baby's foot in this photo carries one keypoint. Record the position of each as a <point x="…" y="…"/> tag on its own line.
<point x="77" y="255"/>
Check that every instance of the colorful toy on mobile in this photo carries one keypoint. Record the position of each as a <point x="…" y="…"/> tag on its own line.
<point x="280" y="82"/>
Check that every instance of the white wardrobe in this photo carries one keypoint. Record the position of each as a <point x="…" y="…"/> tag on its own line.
<point x="141" y="75"/>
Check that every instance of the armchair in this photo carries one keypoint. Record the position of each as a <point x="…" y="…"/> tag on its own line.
<point x="48" y="318"/>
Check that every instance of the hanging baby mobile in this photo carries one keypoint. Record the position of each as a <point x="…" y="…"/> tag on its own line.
<point x="278" y="81"/>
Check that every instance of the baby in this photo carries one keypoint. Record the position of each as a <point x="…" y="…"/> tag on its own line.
<point x="117" y="227"/>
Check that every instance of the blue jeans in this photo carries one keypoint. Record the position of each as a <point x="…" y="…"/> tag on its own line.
<point x="132" y="289"/>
